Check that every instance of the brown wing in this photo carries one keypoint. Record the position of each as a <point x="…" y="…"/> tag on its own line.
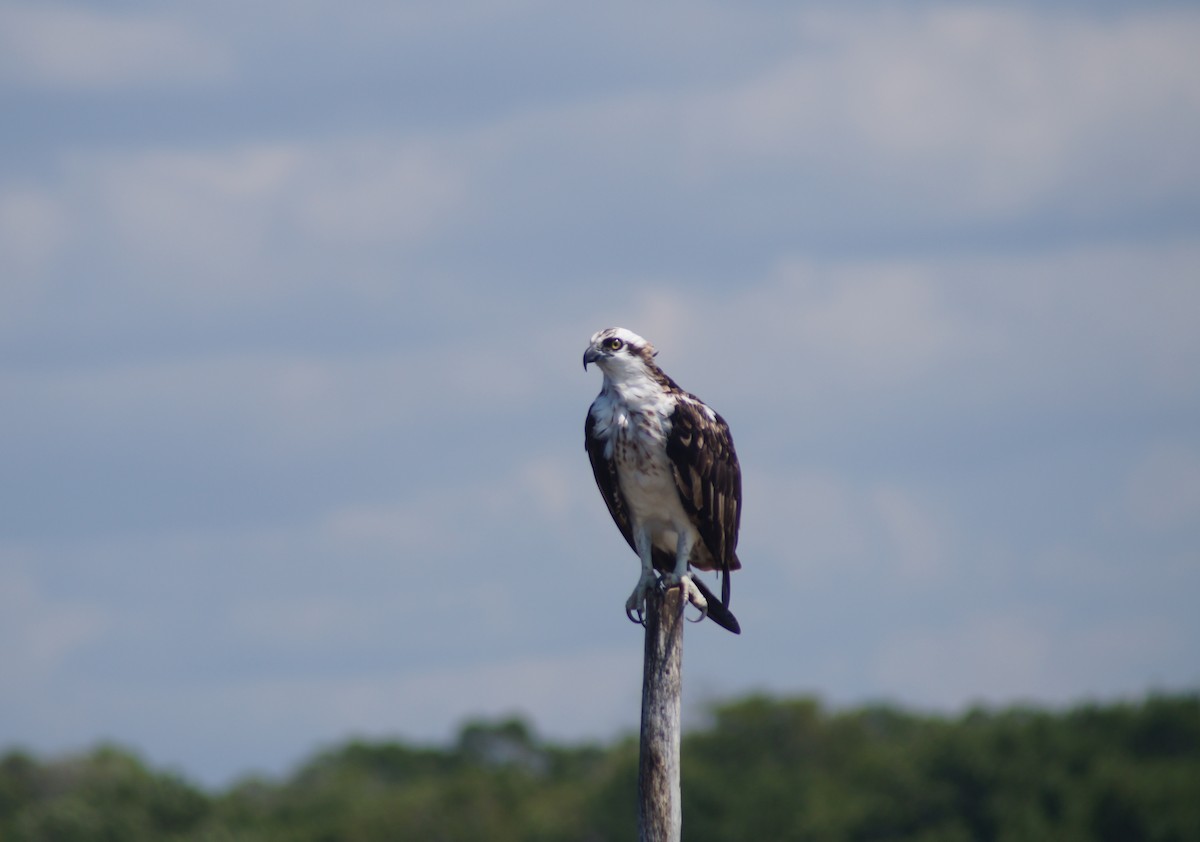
<point x="709" y="480"/>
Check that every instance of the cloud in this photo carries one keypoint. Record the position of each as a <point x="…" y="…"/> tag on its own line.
<point x="214" y="227"/>
<point x="858" y="129"/>
<point x="987" y="335"/>
<point x="1003" y="657"/>
<point x="376" y="190"/>
<point x="69" y="48"/>
<point x="286" y="403"/>
<point x="979" y="110"/>
<point x="870" y="127"/>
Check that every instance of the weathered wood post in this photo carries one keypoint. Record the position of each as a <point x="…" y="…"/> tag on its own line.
<point x="659" y="811"/>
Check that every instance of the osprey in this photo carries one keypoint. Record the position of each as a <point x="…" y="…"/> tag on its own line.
<point x="665" y="465"/>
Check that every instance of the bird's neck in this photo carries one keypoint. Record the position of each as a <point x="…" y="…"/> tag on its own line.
<point x="639" y="388"/>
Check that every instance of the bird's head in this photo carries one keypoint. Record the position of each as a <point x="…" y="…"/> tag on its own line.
<point x="620" y="353"/>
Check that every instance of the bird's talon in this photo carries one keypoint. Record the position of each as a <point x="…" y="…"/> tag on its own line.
<point x="688" y="594"/>
<point x="636" y="604"/>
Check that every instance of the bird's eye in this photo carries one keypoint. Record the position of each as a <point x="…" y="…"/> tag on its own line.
<point x="613" y="344"/>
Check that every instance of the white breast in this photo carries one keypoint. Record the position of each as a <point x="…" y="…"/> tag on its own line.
<point x="636" y="438"/>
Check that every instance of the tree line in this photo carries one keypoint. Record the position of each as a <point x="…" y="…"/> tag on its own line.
<point x="761" y="768"/>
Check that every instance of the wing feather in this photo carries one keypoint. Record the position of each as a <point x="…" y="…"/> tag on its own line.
<point x="709" y="480"/>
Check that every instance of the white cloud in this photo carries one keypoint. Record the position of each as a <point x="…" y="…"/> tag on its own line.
<point x="466" y="519"/>
<point x="197" y="225"/>
<point x="982" y="110"/>
<point x="871" y="123"/>
<point x="879" y="120"/>
<point x="878" y="324"/>
<point x="372" y="191"/>
<point x="241" y="225"/>
<point x="285" y="403"/>
<point x="68" y="47"/>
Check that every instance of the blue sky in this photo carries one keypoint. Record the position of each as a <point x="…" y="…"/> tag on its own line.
<point x="294" y="298"/>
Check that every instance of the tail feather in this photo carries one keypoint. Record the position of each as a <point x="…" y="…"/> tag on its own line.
<point x="719" y="612"/>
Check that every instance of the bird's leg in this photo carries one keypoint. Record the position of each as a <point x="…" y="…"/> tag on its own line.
<point x="636" y="604"/>
<point x="680" y="576"/>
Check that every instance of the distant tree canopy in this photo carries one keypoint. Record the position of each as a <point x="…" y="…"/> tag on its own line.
<point x="762" y="769"/>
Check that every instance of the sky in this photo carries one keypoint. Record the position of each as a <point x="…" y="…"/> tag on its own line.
<point x="293" y="300"/>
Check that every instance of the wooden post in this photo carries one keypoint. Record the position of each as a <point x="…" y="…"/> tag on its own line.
<point x="659" y="811"/>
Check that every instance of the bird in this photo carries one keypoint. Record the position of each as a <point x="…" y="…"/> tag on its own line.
<point x="666" y="467"/>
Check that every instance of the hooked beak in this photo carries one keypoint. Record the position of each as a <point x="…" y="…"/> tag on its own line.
<point x="590" y="356"/>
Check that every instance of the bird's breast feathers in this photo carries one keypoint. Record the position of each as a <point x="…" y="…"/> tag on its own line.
<point x="624" y="427"/>
<point x="636" y="442"/>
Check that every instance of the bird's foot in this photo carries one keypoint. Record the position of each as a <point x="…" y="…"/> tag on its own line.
<point x="688" y="592"/>
<point x="636" y="604"/>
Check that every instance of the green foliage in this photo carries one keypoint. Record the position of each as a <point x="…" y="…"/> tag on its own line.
<point x="107" y="794"/>
<point x="763" y="768"/>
